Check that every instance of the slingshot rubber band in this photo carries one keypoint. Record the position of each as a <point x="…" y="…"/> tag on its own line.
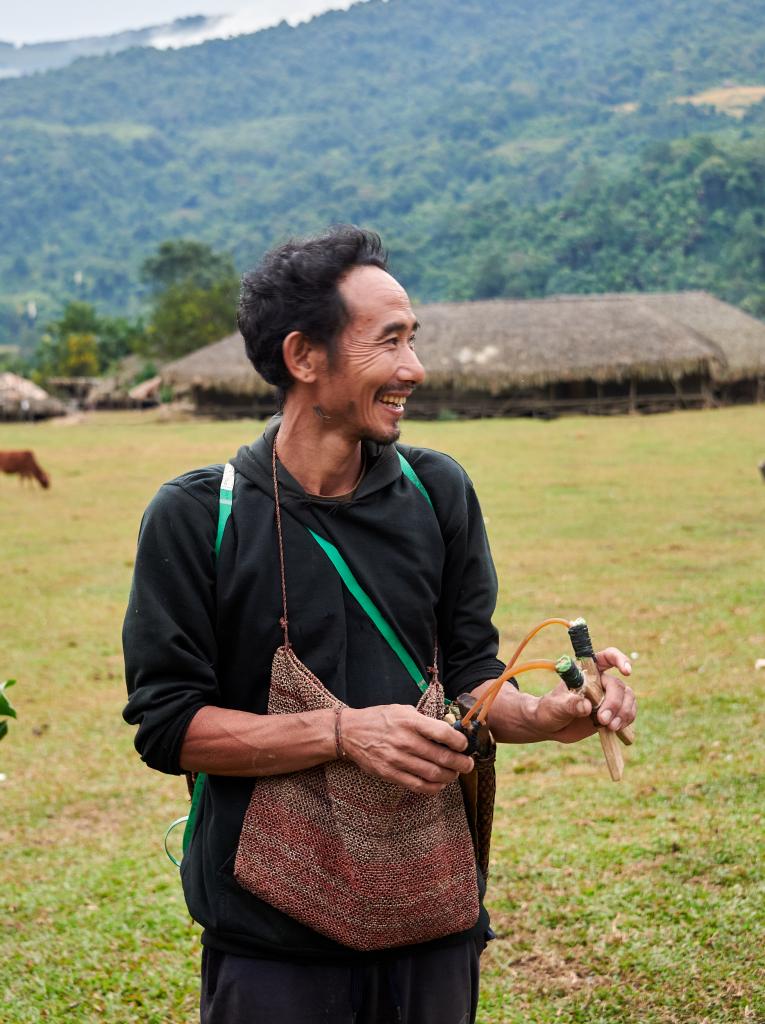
<point x="491" y="693"/>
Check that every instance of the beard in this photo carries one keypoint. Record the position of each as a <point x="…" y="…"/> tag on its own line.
<point x="380" y="437"/>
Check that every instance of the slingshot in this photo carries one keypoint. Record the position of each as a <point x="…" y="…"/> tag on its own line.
<point x="581" y="675"/>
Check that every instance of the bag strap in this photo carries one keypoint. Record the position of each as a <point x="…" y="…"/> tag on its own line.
<point x="368" y="605"/>
<point x="408" y="470"/>
<point x="385" y="629"/>
<point x="225" y="503"/>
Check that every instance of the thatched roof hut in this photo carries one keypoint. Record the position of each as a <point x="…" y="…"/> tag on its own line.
<point x="221" y="366"/>
<point x="537" y="357"/>
<point x="740" y="337"/>
<point x="147" y="392"/>
<point x="21" y="399"/>
<point x="499" y="345"/>
<point x="119" y="390"/>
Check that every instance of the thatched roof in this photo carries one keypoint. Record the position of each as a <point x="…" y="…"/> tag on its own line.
<point x="222" y="366"/>
<point x="501" y="344"/>
<point x="21" y="397"/>
<point x="740" y="337"/>
<point x="15" y="389"/>
<point x="504" y="344"/>
<point x="147" y="390"/>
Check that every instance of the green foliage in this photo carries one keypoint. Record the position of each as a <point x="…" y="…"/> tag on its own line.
<point x="147" y="371"/>
<point x="6" y="708"/>
<point x="82" y="343"/>
<point x="185" y="261"/>
<point x="184" y="318"/>
<point x="77" y="318"/>
<point x="80" y="355"/>
<point x="17" y="328"/>
<point x="690" y="214"/>
<point x="194" y="296"/>
<point x="487" y="142"/>
<point x="119" y="336"/>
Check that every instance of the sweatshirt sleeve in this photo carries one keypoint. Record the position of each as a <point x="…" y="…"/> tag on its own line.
<point x="468" y="639"/>
<point x="169" y="630"/>
<point x="468" y="599"/>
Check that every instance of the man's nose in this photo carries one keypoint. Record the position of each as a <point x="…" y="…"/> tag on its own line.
<point x="410" y="368"/>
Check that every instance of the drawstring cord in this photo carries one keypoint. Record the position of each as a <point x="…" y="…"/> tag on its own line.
<point x="284" y="621"/>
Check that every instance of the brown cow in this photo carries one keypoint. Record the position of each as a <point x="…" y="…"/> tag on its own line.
<point x="25" y="464"/>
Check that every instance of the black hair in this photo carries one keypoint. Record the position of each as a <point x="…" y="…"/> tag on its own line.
<point x="294" y="288"/>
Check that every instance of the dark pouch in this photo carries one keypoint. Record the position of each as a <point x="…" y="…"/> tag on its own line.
<point x="480" y="786"/>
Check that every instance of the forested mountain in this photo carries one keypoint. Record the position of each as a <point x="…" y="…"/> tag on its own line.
<point x="30" y="57"/>
<point x="508" y="147"/>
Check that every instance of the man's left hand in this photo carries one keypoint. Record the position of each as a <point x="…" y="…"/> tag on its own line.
<point x="564" y="715"/>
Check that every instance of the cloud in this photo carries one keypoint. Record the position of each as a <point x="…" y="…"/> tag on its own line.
<point x="246" y="20"/>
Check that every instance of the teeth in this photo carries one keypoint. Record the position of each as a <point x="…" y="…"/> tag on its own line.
<point x="394" y="399"/>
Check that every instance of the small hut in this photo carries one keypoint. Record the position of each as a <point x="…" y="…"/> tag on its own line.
<point x="119" y="390"/>
<point x="147" y="392"/>
<point x="21" y="399"/>
<point x="740" y="377"/>
<point x="220" y="380"/>
<point x="539" y="357"/>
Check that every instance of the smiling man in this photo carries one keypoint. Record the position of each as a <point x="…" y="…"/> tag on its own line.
<point x="358" y="556"/>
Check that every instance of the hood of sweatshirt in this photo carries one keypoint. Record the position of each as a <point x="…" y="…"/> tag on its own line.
<point x="253" y="461"/>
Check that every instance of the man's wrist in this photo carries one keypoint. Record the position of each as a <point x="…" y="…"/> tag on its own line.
<point x="529" y="714"/>
<point x="515" y="719"/>
<point x="340" y="754"/>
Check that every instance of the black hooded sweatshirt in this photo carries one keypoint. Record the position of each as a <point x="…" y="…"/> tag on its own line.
<point x="198" y="633"/>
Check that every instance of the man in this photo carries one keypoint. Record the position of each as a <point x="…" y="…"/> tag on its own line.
<point x="326" y="324"/>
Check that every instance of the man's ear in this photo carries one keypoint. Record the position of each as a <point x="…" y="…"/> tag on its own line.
<point x="304" y="360"/>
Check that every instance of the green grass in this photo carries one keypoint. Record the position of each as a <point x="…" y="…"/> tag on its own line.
<point x="639" y="902"/>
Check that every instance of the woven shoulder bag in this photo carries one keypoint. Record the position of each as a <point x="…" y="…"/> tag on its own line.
<point x="363" y="861"/>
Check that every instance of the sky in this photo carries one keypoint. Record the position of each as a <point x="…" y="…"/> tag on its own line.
<point x="37" y="21"/>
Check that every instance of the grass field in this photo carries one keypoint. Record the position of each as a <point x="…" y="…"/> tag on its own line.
<point x="637" y="902"/>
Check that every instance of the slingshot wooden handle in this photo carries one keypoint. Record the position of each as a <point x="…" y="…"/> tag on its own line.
<point x="593" y="691"/>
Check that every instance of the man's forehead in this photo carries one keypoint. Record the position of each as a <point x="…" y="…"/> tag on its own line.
<point x="373" y="294"/>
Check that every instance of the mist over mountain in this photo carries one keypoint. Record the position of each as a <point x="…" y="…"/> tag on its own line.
<point x="28" y="58"/>
<point x="502" y="148"/>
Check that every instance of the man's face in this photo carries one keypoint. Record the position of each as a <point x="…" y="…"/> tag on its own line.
<point x="374" y="369"/>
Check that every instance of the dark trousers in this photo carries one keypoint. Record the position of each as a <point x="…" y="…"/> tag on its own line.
<point x="431" y="987"/>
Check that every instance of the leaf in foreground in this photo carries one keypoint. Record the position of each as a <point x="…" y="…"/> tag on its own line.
<point x="6" y="707"/>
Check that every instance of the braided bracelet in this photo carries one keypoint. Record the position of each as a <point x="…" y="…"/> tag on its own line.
<point x="339" y="749"/>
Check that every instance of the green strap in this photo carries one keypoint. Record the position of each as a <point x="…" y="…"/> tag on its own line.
<point x="366" y="602"/>
<point x="196" y="796"/>
<point x="225" y="502"/>
<point x="354" y="587"/>
<point x="370" y="608"/>
<point x="407" y="470"/>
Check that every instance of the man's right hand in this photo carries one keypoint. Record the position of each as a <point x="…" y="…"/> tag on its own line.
<point x="397" y="743"/>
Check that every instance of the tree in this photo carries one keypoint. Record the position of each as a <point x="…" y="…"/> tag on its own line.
<point x="118" y="337"/>
<point x="185" y="261"/>
<point x="79" y="356"/>
<point x="82" y="343"/>
<point x="77" y="318"/>
<point x="194" y="296"/>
